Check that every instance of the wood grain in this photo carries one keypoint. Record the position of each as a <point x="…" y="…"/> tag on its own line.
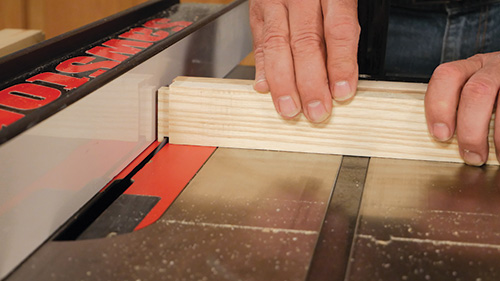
<point x="13" y="39"/>
<point x="385" y="119"/>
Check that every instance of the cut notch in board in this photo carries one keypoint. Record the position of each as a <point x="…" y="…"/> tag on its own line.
<point x="385" y="119"/>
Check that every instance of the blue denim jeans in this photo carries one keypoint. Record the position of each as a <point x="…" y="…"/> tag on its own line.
<point x="421" y="37"/>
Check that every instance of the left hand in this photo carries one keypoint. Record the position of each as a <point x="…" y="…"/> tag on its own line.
<point x="460" y="98"/>
<point x="305" y="54"/>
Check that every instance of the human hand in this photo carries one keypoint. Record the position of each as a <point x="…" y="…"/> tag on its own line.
<point x="461" y="97"/>
<point x="305" y="53"/>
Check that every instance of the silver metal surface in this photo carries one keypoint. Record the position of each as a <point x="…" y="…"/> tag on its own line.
<point x="51" y="170"/>
<point x="428" y="221"/>
<point x="247" y="215"/>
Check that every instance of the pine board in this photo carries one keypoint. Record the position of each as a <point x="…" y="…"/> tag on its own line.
<point x="12" y="39"/>
<point x="385" y="119"/>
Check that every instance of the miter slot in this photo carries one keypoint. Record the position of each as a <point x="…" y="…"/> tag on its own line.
<point x="331" y="255"/>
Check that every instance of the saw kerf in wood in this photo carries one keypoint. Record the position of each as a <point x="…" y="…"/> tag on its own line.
<point x="385" y="119"/>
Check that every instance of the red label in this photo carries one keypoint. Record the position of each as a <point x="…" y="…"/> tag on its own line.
<point x="83" y="64"/>
<point x="115" y="49"/>
<point x="28" y="96"/>
<point x="68" y="82"/>
<point x="145" y="34"/>
<point x="7" y="118"/>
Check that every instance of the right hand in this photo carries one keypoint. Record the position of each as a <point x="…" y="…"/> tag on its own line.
<point x="461" y="97"/>
<point x="305" y="53"/>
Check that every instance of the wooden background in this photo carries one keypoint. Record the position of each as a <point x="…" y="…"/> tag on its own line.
<point x="54" y="17"/>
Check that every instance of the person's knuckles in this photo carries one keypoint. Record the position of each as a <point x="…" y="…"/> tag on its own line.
<point x="306" y="42"/>
<point x="445" y="72"/>
<point x="275" y="38"/>
<point x="255" y="10"/>
<point x="344" y="66"/>
<point x="345" y="28"/>
<point x="480" y="89"/>
<point x="342" y="61"/>
<point x="275" y="33"/>
<point x="479" y="59"/>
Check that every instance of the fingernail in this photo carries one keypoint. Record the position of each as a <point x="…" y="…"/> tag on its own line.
<point x="287" y="107"/>
<point x="261" y="85"/>
<point x="342" y="91"/>
<point x="472" y="158"/>
<point x="317" y="112"/>
<point x="441" y="132"/>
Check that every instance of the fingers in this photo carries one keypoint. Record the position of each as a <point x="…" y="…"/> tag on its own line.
<point x="341" y="36"/>
<point x="474" y="112"/>
<point x="257" y="24"/>
<point x="291" y="58"/>
<point x="461" y="96"/>
<point x="278" y="64"/>
<point x="496" y="134"/>
<point x="443" y="93"/>
<point x="309" y="57"/>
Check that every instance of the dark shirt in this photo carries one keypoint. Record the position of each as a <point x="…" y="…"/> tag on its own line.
<point x="423" y="34"/>
<point x="439" y="5"/>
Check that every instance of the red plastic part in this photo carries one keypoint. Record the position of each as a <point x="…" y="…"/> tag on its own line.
<point x="166" y="175"/>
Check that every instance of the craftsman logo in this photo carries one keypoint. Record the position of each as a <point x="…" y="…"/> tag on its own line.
<point x="46" y="87"/>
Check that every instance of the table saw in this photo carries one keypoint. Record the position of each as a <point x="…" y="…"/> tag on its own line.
<point x="88" y="192"/>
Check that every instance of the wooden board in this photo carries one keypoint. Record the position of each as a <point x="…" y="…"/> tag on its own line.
<point x="385" y="119"/>
<point x="12" y="39"/>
